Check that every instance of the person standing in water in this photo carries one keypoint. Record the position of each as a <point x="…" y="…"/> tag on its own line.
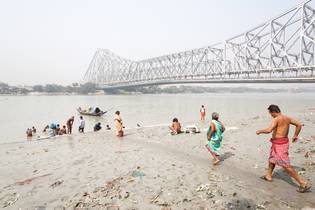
<point x="81" y="125"/>
<point x="70" y="124"/>
<point x="214" y="136"/>
<point x="118" y="124"/>
<point x="202" y="113"/>
<point x="279" y="152"/>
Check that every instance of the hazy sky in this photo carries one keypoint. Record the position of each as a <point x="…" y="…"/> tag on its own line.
<point x="53" y="41"/>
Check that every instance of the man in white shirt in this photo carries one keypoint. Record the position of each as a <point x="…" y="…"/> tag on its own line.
<point x="81" y="125"/>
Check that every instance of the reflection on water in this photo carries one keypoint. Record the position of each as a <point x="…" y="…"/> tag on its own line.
<point x="21" y="112"/>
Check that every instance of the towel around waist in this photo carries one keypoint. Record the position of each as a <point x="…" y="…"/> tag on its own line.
<point x="283" y="140"/>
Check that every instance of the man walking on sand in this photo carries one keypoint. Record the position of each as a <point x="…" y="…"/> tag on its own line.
<point x="279" y="153"/>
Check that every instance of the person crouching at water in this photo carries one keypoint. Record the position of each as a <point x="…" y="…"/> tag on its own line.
<point x="175" y="127"/>
<point x="62" y="130"/>
<point x="97" y="126"/>
<point x="118" y="124"/>
<point x="70" y="124"/>
<point x="81" y="125"/>
<point x="279" y="152"/>
<point x="214" y="136"/>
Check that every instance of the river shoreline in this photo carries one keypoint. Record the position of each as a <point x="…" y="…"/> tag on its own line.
<point x="150" y="169"/>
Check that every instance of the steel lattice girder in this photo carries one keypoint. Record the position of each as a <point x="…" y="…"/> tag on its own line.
<point x="282" y="47"/>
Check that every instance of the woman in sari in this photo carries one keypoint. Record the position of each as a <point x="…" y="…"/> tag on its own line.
<point x="214" y="136"/>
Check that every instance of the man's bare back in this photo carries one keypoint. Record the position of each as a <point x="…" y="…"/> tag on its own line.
<point x="281" y="125"/>
<point x="279" y="151"/>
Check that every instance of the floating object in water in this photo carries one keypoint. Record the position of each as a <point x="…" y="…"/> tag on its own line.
<point x="91" y="111"/>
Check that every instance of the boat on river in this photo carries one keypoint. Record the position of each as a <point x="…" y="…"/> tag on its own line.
<point x="91" y="111"/>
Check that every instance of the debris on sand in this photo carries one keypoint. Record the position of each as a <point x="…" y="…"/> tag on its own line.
<point x="307" y="154"/>
<point x="202" y="187"/>
<point x="9" y="199"/>
<point x="302" y="171"/>
<point x="154" y="199"/>
<point x="137" y="173"/>
<point x="29" y="180"/>
<point x="57" y="183"/>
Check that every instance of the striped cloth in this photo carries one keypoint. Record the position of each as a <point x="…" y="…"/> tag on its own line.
<point x="279" y="152"/>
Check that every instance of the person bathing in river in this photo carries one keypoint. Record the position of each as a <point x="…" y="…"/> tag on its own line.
<point x="118" y="124"/>
<point x="214" y="136"/>
<point x="97" y="126"/>
<point x="81" y="125"/>
<point x="58" y="129"/>
<point x="34" y="130"/>
<point x="279" y="152"/>
<point x="202" y="113"/>
<point x="175" y="127"/>
<point x="29" y="132"/>
<point x="70" y="124"/>
<point x="62" y="130"/>
<point x="46" y="129"/>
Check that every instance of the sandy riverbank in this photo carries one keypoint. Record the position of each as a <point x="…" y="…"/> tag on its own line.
<point x="149" y="169"/>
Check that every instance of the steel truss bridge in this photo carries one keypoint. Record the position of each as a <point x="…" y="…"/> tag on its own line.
<point x="279" y="50"/>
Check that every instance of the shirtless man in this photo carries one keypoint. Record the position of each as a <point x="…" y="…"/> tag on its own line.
<point x="279" y="154"/>
<point x="175" y="127"/>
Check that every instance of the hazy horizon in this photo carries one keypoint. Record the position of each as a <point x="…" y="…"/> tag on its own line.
<point x="44" y="42"/>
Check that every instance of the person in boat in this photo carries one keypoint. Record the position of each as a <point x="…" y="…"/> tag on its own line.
<point x="279" y="152"/>
<point x="29" y="132"/>
<point x="107" y="127"/>
<point x="63" y="130"/>
<point x="175" y="127"/>
<point x="70" y="124"/>
<point x="97" y="110"/>
<point x="34" y="130"/>
<point x="214" y="136"/>
<point x="97" y="126"/>
<point x="81" y="125"/>
<point x="202" y="113"/>
<point x="118" y="124"/>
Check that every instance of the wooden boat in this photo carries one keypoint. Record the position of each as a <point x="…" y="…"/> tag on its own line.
<point x="91" y="113"/>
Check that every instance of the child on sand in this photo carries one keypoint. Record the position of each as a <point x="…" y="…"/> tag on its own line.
<point x="214" y="136"/>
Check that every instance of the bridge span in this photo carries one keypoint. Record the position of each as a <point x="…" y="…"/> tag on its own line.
<point x="279" y="50"/>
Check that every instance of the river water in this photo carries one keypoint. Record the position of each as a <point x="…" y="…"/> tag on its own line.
<point x="17" y="113"/>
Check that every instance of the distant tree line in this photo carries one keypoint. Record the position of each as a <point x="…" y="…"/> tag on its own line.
<point x="49" y="88"/>
<point x="54" y="88"/>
